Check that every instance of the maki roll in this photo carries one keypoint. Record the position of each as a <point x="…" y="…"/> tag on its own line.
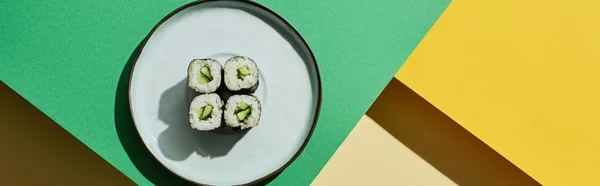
<point x="241" y="75"/>
<point x="242" y="112"/>
<point x="206" y="112"/>
<point x="204" y="75"/>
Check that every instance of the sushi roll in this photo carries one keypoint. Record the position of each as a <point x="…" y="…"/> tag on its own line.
<point x="242" y="112"/>
<point x="204" y="75"/>
<point x="206" y="112"/>
<point x="241" y="75"/>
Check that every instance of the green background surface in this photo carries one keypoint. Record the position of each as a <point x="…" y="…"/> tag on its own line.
<point x="71" y="59"/>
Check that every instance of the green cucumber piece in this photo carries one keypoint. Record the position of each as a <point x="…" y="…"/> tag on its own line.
<point x="200" y="111"/>
<point x="205" y="71"/>
<point x="243" y="105"/>
<point x="203" y="79"/>
<point x="240" y="107"/>
<point x="207" y="111"/>
<point x="244" y="70"/>
<point x="243" y="114"/>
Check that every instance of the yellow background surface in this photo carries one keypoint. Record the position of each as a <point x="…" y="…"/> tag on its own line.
<point x="524" y="77"/>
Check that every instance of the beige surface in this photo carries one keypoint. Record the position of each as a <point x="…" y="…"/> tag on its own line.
<point x="368" y="154"/>
<point x="371" y="156"/>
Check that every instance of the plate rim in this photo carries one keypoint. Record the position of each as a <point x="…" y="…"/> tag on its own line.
<point x="264" y="8"/>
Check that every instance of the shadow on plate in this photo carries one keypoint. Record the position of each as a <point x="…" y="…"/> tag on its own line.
<point x="137" y="151"/>
<point x="441" y="141"/>
<point x="179" y="140"/>
<point x="130" y="139"/>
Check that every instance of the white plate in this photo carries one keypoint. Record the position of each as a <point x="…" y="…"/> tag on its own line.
<point x="289" y="91"/>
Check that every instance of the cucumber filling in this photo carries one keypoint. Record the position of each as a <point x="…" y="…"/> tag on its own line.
<point x="243" y="72"/>
<point x="205" y="112"/>
<point x="242" y="111"/>
<point x="242" y="115"/>
<point x="205" y="76"/>
<point x="203" y="79"/>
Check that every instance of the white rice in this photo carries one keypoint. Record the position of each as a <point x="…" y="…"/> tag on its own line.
<point x="194" y="74"/>
<point x="232" y="81"/>
<point x="214" y="121"/>
<point x="250" y="121"/>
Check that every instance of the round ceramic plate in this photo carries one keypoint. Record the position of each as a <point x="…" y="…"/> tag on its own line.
<point x="289" y="91"/>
